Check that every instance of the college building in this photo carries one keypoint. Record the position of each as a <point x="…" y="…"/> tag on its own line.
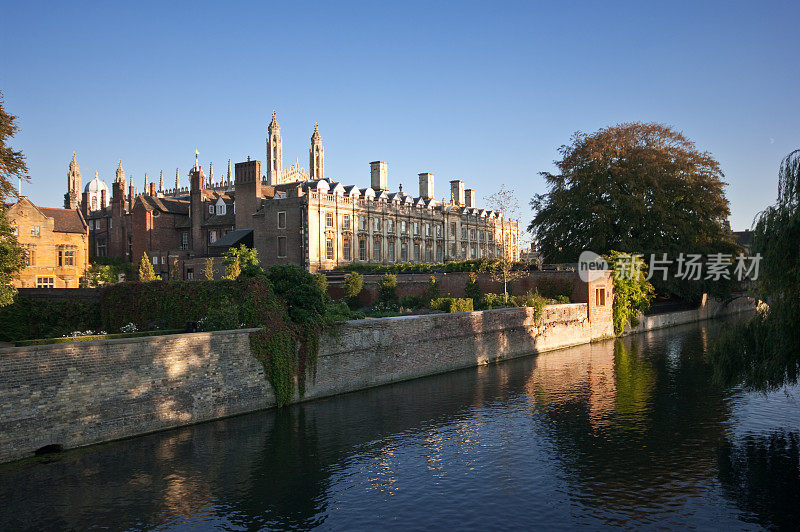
<point x="289" y="215"/>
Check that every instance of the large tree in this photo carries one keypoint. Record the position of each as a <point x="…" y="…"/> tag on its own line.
<point x="633" y="187"/>
<point x="12" y="167"/>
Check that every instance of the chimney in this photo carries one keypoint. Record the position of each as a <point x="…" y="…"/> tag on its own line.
<point x="457" y="191"/>
<point x="152" y="189"/>
<point x="247" y="182"/>
<point x="470" y="197"/>
<point x="426" y="185"/>
<point x="131" y="196"/>
<point x="103" y="198"/>
<point x="379" y="174"/>
<point x="85" y="204"/>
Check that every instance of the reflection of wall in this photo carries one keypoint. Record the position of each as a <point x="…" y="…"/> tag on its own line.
<point x="81" y="393"/>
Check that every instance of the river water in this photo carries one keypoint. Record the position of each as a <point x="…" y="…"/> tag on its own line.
<point x="621" y="433"/>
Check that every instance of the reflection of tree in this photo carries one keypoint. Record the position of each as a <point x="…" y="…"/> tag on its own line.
<point x="658" y="437"/>
<point x="761" y="474"/>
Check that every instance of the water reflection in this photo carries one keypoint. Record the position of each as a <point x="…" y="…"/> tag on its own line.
<point x="615" y="433"/>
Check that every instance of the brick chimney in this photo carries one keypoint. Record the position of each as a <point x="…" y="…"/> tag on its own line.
<point x="103" y="199"/>
<point x="247" y="183"/>
<point x="152" y="189"/>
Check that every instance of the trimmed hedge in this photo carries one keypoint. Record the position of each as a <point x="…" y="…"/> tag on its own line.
<point x="452" y="304"/>
<point x="28" y="318"/>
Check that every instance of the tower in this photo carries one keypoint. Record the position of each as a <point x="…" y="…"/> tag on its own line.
<point x="211" y="174"/>
<point x="274" y="152"/>
<point x="316" y="155"/>
<point x="120" y="178"/>
<point x="230" y="177"/>
<point x="72" y="199"/>
<point x="177" y="180"/>
<point x="161" y="182"/>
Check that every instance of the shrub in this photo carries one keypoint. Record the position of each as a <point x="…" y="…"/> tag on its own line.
<point x="432" y="290"/>
<point x="208" y="269"/>
<point x="562" y="299"/>
<point x="473" y="290"/>
<point x="491" y="301"/>
<point x="221" y="317"/>
<point x="353" y="283"/>
<point x="28" y="318"/>
<point x="146" y="272"/>
<point x="534" y="300"/>
<point x="452" y="304"/>
<point x="553" y="288"/>
<point x="322" y="281"/>
<point x="412" y="301"/>
<point x="632" y="292"/>
<point x="387" y="289"/>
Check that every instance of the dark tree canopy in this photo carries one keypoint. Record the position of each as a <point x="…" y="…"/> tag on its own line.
<point x="633" y="187"/>
<point x="12" y="162"/>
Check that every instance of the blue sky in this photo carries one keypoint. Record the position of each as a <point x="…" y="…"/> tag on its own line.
<point x="483" y="92"/>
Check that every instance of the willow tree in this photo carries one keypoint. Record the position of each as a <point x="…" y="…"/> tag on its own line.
<point x="764" y="353"/>
<point x="634" y="188"/>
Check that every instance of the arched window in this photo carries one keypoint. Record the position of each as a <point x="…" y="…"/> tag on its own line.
<point x="94" y="203"/>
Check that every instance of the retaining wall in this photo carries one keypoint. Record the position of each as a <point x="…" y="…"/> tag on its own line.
<point x="709" y="309"/>
<point x="87" y="392"/>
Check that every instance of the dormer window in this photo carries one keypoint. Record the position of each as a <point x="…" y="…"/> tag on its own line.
<point x="210" y="209"/>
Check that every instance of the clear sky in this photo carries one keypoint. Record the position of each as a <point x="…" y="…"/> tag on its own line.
<point x="485" y="92"/>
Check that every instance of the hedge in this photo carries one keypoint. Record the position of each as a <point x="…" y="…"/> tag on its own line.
<point x="452" y="304"/>
<point x="28" y="318"/>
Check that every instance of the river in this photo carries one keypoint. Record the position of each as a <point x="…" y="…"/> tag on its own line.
<point x="620" y="433"/>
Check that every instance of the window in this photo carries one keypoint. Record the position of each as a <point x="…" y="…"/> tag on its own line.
<point x="376" y="248"/>
<point x="390" y="251"/>
<point x="346" y="221"/>
<point x="155" y="260"/>
<point x="452" y="229"/>
<point x="463" y="233"/>
<point x="473" y="251"/>
<point x="111" y="223"/>
<point x="66" y="258"/>
<point x="416" y="228"/>
<point x="101" y="248"/>
<point x="463" y="250"/>
<point x="210" y="209"/>
<point x="30" y="257"/>
<point x="438" y="230"/>
<point x="416" y="252"/>
<point x="282" y="220"/>
<point x="212" y="236"/>
<point x="94" y="203"/>
<point x="163" y="260"/>
<point x="491" y="236"/>
<point x="190" y="273"/>
<point x="452" y="250"/>
<point x="329" y="249"/>
<point x="404" y="252"/>
<point x="472" y="234"/>
<point x="427" y="229"/>
<point x="362" y="223"/>
<point x="600" y="297"/>
<point x="221" y="209"/>
<point x="481" y="236"/>
<point x="346" y="248"/>
<point x="362" y="249"/>
<point x="34" y="230"/>
<point x="44" y="282"/>
<point x="328" y="219"/>
<point x="281" y="246"/>
<point x="376" y="225"/>
<point x="185" y="241"/>
<point x="439" y="254"/>
<point x="428" y="253"/>
<point x="390" y="226"/>
<point x="403" y="226"/>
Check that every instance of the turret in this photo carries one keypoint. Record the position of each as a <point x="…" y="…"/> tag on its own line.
<point x="72" y="199"/>
<point x="316" y="155"/>
<point x="274" y="152"/>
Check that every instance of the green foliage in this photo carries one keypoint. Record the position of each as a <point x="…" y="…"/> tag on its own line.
<point x="100" y="274"/>
<point x="208" y="269"/>
<point x="277" y="350"/>
<point x="352" y="286"/>
<point x="763" y="353"/>
<point x="116" y="266"/>
<point x="387" y="289"/>
<point x="28" y="318"/>
<point x="646" y="189"/>
<point x="12" y="259"/>
<point x="146" y="272"/>
<point x="239" y="259"/>
<point x="12" y="162"/>
<point x="432" y="290"/>
<point x="534" y="300"/>
<point x="557" y="289"/>
<point x="562" y="299"/>
<point x="492" y="301"/>
<point x="322" y="281"/>
<point x="413" y="301"/>
<point x="452" y="304"/>
<point x="473" y="290"/>
<point x="632" y="292"/>
<point x="221" y="317"/>
<point x="474" y="265"/>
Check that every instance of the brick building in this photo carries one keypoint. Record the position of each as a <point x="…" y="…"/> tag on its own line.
<point x="55" y="243"/>
<point x="289" y="215"/>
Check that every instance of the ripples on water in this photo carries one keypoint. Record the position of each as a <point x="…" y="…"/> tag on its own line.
<point x="628" y="433"/>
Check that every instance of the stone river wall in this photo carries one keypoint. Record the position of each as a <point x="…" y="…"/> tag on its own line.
<point x="80" y="393"/>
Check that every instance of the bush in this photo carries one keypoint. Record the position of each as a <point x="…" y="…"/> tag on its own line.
<point x="28" y="318"/>
<point x="412" y="301"/>
<point x="452" y="304"/>
<point x="322" y="281"/>
<point x="353" y="283"/>
<point x="491" y="301"/>
<point x="474" y="265"/>
<point x="473" y="290"/>
<point x="553" y="288"/>
<point x="432" y="290"/>
<point x="563" y="299"/>
<point x="387" y="289"/>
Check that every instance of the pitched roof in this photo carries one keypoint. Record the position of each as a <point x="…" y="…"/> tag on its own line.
<point x="66" y="220"/>
<point x="221" y="219"/>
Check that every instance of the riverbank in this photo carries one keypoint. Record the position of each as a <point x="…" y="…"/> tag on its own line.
<point x="70" y="395"/>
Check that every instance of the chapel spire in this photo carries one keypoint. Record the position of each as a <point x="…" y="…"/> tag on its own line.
<point x="230" y="176"/>
<point x="316" y="155"/>
<point x="72" y="199"/>
<point x="274" y="152"/>
<point x="177" y="180"/>
<point x="161" y="182"/>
